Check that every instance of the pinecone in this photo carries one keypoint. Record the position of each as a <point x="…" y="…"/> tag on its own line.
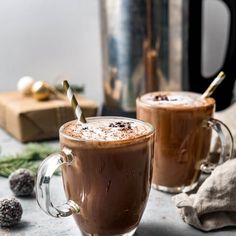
<point x="22" y="182"/>
<point x="10" y="212"/>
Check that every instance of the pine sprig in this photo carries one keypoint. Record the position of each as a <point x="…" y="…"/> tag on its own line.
<point x="30" y="158"/>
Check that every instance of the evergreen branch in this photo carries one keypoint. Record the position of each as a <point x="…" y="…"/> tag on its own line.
<point x="30" y="158"/>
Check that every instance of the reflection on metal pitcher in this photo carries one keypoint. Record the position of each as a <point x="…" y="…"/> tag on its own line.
<point x="134" y="61"/>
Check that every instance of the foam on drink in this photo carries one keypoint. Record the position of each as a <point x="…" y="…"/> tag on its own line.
<point x="107" y="129"/>
<point x="172" y="99"/>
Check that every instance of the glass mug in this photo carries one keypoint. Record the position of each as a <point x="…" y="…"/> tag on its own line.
<point x="183" y="123"/>
<point x="106" y="182"/>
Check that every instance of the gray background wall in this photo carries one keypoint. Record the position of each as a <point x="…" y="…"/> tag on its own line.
<point x="47" y="39"/>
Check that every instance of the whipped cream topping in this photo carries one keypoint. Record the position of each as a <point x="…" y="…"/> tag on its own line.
<point x="107" y="129"/>
<point x="172" y="99"/>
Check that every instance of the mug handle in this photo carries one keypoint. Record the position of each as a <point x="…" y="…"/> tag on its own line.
<point x="44" y="175"/>
<point x="227" y="144"/>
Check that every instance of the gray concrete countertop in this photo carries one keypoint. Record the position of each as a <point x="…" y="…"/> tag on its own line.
<point x="160" y="218"/>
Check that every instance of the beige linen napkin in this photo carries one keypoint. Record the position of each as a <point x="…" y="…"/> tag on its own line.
<point x="214" y="204"/>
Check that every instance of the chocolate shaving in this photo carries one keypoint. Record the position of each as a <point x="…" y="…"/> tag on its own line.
<point x="161" y="98"/>
<point x="121" y="124"/>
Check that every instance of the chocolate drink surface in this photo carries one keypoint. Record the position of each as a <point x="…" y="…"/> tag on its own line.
<point x="182" y="140"/>
<point x="110" y="175"/>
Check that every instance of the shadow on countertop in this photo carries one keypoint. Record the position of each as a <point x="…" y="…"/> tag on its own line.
<point x="165" y="230"/>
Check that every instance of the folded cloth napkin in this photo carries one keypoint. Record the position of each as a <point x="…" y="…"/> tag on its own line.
<point x="213" y="206"/>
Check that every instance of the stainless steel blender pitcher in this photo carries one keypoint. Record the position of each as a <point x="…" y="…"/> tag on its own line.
<point x="153" y="45"/>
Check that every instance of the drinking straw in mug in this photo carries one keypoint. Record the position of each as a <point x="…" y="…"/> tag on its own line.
<point x="73" y="101"/>
<point x="211" y="88"/>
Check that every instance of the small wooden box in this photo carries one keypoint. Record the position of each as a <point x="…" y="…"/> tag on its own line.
<point x="30" y="120"/>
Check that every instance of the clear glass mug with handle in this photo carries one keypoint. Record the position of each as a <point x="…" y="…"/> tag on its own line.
<point x="183" y="123"/>
<point x="106" y="180"/>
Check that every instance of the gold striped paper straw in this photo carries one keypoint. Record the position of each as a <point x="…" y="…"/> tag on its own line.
<point x="73" y="101"/>
<point x="211" y="88"/>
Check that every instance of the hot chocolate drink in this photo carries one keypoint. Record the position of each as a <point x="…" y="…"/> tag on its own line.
<point x="182" y="139"/>
<point x="110" y="175"/>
